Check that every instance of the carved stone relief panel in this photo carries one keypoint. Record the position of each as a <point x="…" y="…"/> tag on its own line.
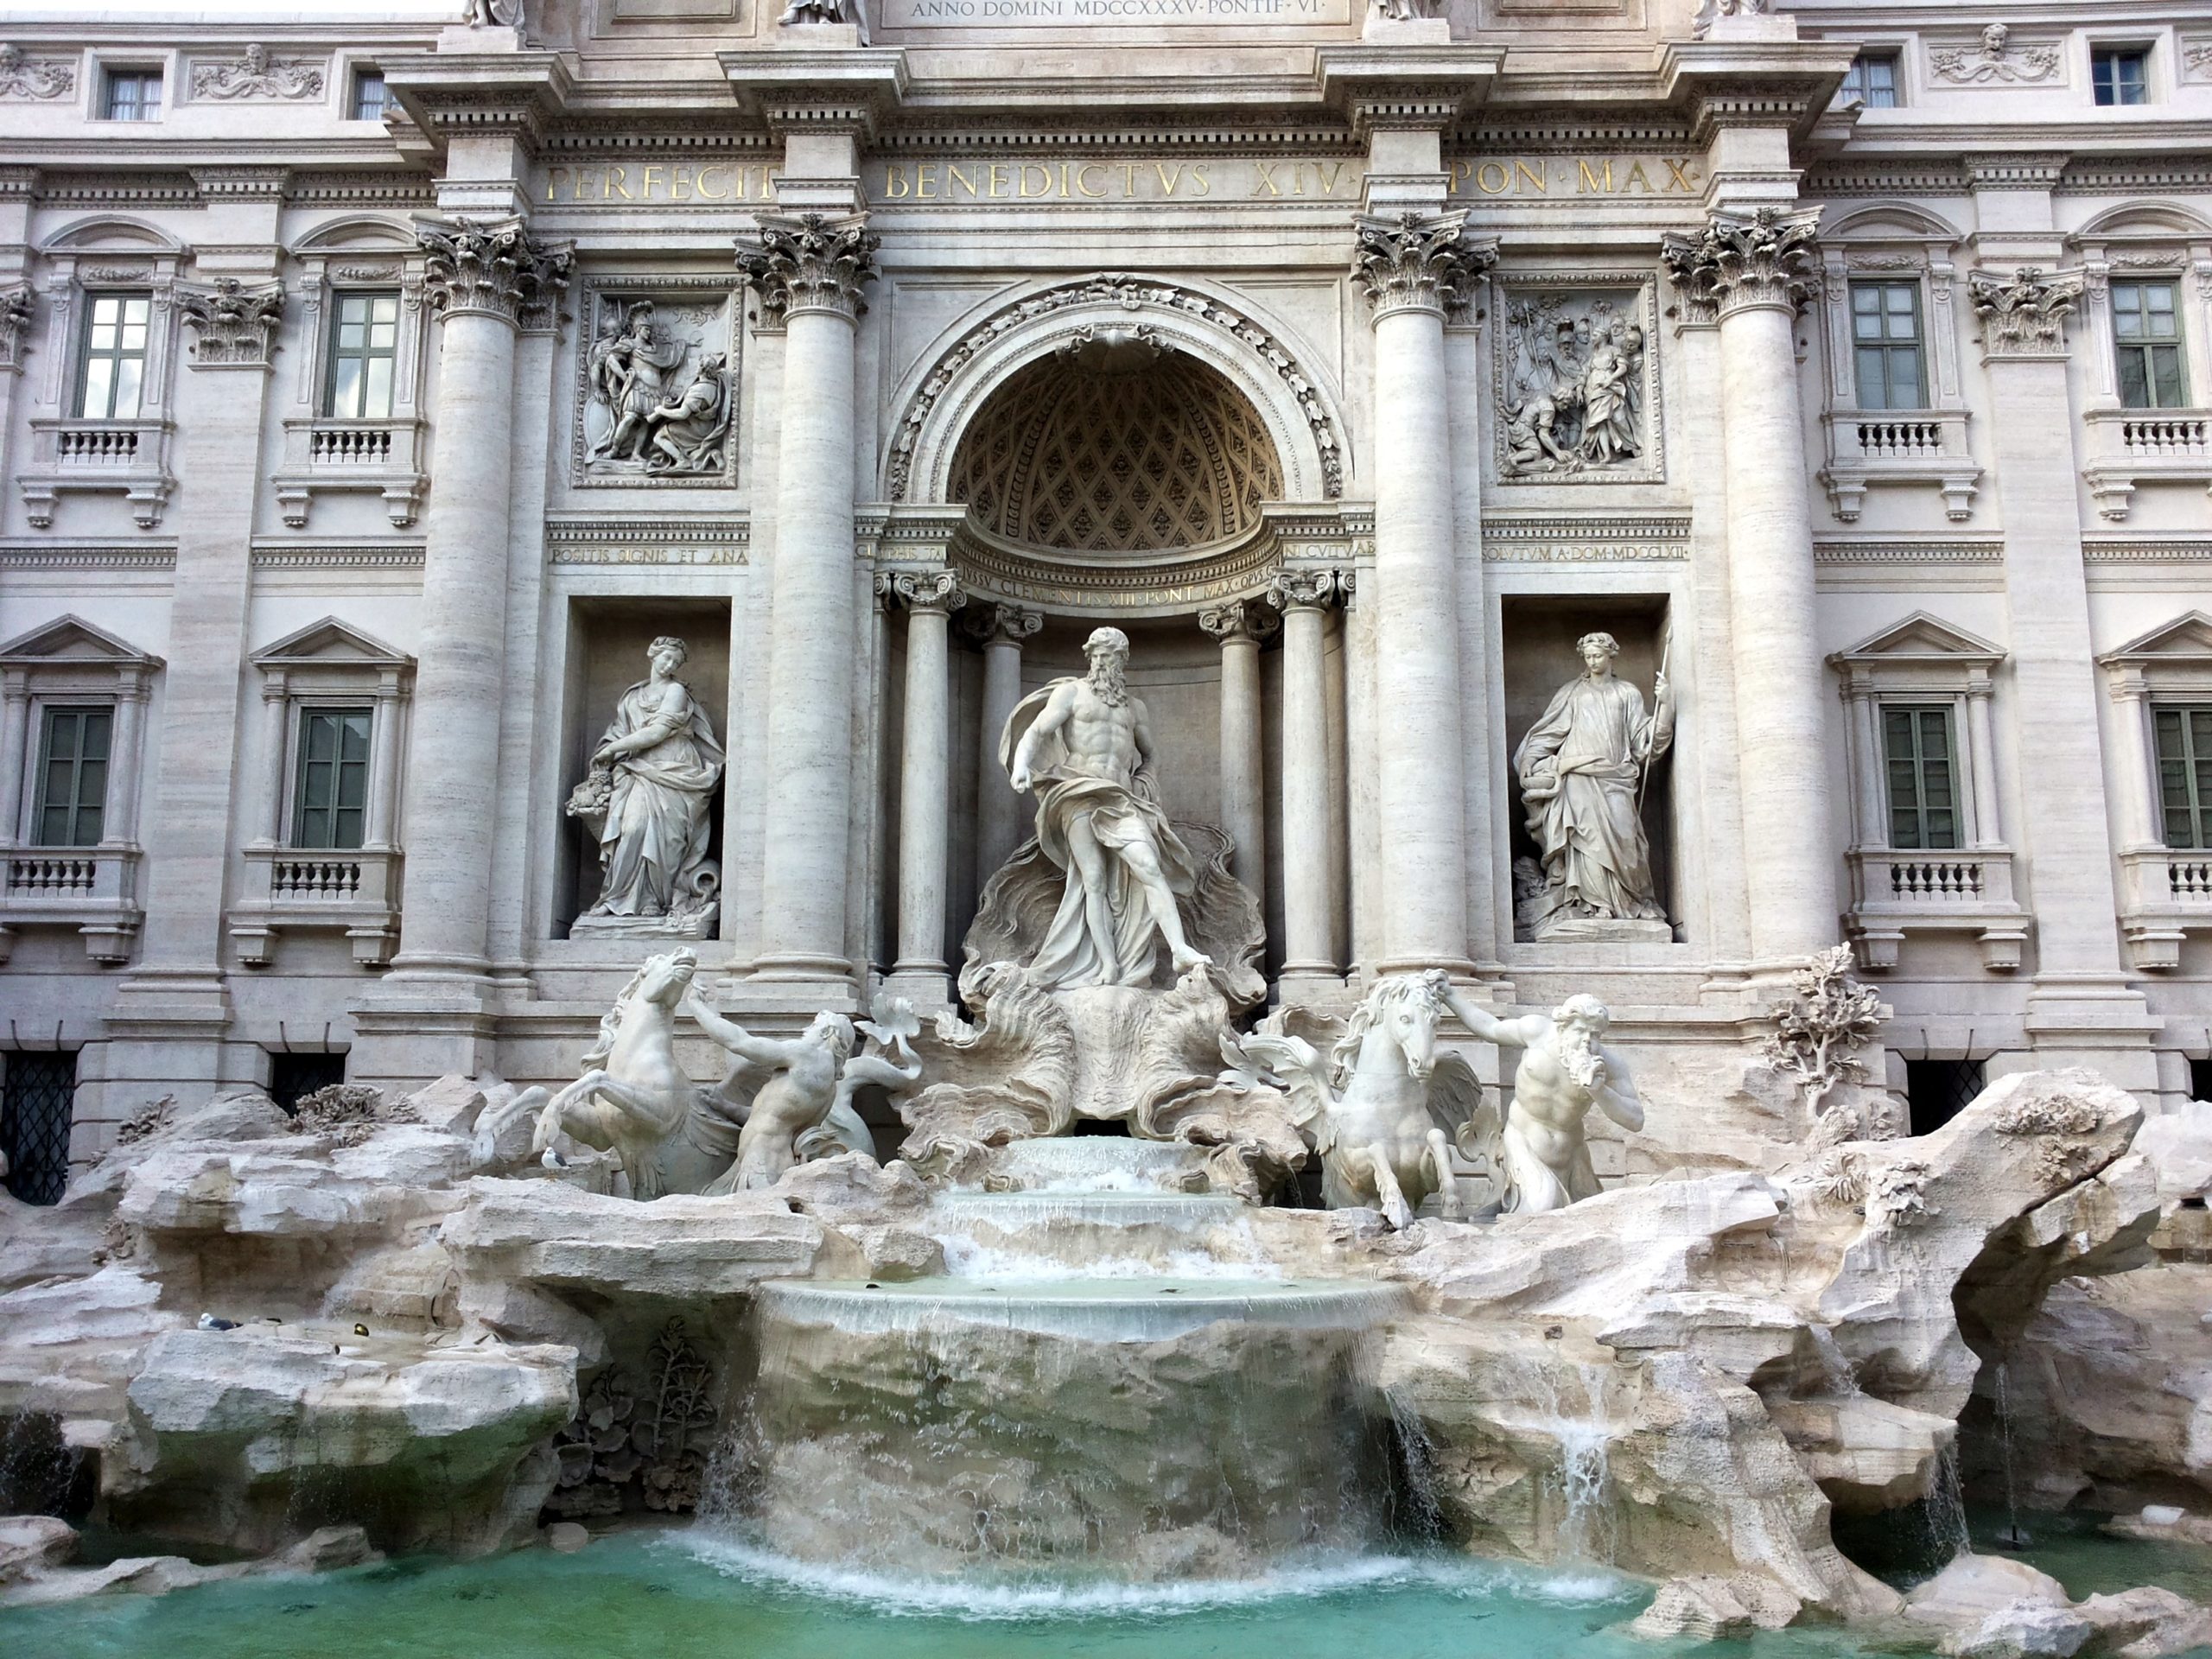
<point x="657" y="383"/>
<point x="1576" y="377"/>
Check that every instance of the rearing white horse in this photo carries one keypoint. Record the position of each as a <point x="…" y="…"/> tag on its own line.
<point x="1385" y="1107"/>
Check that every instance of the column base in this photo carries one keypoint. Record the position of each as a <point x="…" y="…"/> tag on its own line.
<point x="927" y="985"/>
<point x="1312" y="985"/>
<point x="421" y="1024"/>
<point x="2094" y="1020"/>
<point x="1460" y="968"/>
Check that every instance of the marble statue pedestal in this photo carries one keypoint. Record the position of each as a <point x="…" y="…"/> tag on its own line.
<point x="701" y="926"/>
<point x="1602" y="929"/>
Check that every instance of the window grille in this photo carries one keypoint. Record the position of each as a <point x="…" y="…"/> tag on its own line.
<point x="37" y="1094"/>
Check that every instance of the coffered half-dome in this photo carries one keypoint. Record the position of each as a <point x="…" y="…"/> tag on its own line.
<point x="1117" y="448"/>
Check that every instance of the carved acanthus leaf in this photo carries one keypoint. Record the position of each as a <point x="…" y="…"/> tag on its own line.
<point x="1420" y="262"/>
<point x="491" y="267"/>
<point x="808" y="262"/>
<point x="237" y="324"/>
<point x="1739" y="261"/>
<point x="2023" y="315"/>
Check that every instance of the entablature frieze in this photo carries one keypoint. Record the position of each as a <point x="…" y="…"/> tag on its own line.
<point x="662" y="540"/>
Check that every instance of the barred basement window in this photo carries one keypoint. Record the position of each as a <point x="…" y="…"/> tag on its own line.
<point x="330" y="787"/>
<point x="1872" y="80"/>
<point x="2146" y="332"/>
<point x="111" y="358"/>
<point x="292" y="1077"/>
<point x="71" y="807"/>
<point x="1923" y="779"/>
<point x="363" y="355"/>
<point x="38" y="1092"/>
<point x="1886" y="345"/>
<point x="2185" y="739"/>
<point x="1936" y="1091"/>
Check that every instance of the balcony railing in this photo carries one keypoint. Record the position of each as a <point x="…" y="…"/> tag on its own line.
<point x="290" y="890"/>
<point x="2165" y="895"/>
<point x="356" y="456"/>
<point x="2129" y="447"/>
<point x="129" y="458"/>
<point x="1870" y="447"/>
<point x="1896" y="893"/>
<point x="92" y="889"/>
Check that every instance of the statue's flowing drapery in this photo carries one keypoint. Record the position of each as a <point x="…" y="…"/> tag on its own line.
<point x="1580" y="766"/>
<point x="1121" y="816"/>
<point x="657" y="830"/>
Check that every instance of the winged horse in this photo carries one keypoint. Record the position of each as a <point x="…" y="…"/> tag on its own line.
<point x="1387" y="1106"/>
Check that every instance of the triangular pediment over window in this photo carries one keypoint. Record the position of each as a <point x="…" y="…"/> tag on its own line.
<point x="71" y="639"/>
<point x="331" y="644"/>
<point x="2185" y="639"/>
<point x="1921" y="639"/>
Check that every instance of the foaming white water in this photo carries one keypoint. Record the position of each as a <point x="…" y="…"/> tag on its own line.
<point x="983" y="1599"/>
<point x="965" y="1258"/>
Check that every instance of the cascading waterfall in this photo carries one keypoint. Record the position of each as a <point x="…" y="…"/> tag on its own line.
<point x="2013" y="1537"/>
<point x="1029" y="1412"/>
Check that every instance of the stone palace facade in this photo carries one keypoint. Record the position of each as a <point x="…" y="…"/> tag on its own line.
<point x="491" y="492"/>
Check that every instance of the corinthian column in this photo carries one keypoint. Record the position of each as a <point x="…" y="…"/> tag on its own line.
<point x="925" y="780"/>
<point x="1001" y="629"/>
<point x="809" y="269"/>
<point x="481" y="276"/>
<point x="1413" y="268"/>
<point x="1756" y="270"/>
<point x="1238" y="628"/>
<point x="1303" y="596"/>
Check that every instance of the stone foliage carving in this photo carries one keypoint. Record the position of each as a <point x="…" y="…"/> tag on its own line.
<point x="1820" y="1031"/>
<point x="1419" y="262"/>
<point x="655" y="393"/>
<point x="1738" y="261"/>
<point x="1583" y="769"/>
<point x="237" y="324"/>
<point x="494" y="268"/>
<point x="1995" y="62"/>
<point x="39" y="79"/>
<point x="257" y="75"/>
<point x="1577" y="383"/>
<point x="2023" y="315"/>
<point x="1129" y="294"/>
<point x="647" y="1439"/>
<point x="646" y="801"/>
<point x="808" y="262"/>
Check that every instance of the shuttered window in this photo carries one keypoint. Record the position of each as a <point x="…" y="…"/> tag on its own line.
<point x="1923" y="779"/>
<point x="71" y="807"/>
<point x="2185" y="772"/>
<point x="331" y="791"/>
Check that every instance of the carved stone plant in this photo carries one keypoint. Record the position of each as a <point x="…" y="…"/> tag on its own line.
<point x="349" y="1113"/>
<point x="646" y="1441"/>
<point x="1819" y="1031"/>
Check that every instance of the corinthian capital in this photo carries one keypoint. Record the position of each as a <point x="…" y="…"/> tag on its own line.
<point x="491" y="268"/>
<point x="1419" y="262"/>
<point x="236" y="324"/>
<point x="808" y="262"/>
<point x="2023" y="315"/>
<point x="1737" y="263"/>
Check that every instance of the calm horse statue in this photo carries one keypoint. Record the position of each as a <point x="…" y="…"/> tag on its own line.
<point x="1385" y="1107"/>
<point x="671" y="1134"/>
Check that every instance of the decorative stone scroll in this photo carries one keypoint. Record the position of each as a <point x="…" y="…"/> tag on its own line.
<point x="39" y="79"/>
<point x="1420" y="262"/>
<point x="1997" y="61"/>
<point x="1737" y="262"/>
<point x="491" y="268"/>
<point x="1289" y="590"/>
<point x="2023" y="315"/>
<point x="930" y="590"/>
<point x="1577" y="381"/>
<point x="808" y="262"/>
<point x="257" y="75"/>
<point x="237" y="324"/>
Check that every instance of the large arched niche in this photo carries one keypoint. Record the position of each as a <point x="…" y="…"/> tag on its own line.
<point x="944" y="392"/>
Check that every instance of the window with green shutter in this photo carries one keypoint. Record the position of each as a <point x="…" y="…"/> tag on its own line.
<point x="1917" y="743"/>
<point x="2185" y="772"/>
<point x="1885" y="340"/>
<point x="2146" y="334"/>
<point x="72" y="799"/>
<point x="331" y="792"/>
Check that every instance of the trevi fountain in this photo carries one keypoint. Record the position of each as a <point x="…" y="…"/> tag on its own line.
<point x="1243" y="859"/>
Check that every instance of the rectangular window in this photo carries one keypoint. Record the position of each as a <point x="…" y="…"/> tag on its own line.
<point x="112" y="369"/>
<point x="131" y="95"/>
<point x="1923" y="779"/>
<point x="2146" y="332"/>
<point x="363" y="351"/>
<point x="72" y="799"/>
<point x="2184" y="733"/>
<point x="369" y="99"/>
<point x="36" y="1097"/>
<point x="1872" y="80"/>
<point x="331" y="793"/>
<point x="2121" y="74"/>
<point x="1935" y="1091"/>
<point x="1886" y="353"/>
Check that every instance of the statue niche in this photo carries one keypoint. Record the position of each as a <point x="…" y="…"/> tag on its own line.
<point x="646" y="804"/>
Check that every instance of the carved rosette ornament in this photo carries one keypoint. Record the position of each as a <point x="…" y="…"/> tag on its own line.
<point x="237" y="324"/>
<point x="808" y="262"/>
<point x="1290" y="590"/>
<point x="2023" y="315"/>
<point x="929" y="590"/>
<point x="1420" y="262"/>
<point x="1740" y="263"/>
<point x="989" y="624"/>
<point x="490" y="268"/>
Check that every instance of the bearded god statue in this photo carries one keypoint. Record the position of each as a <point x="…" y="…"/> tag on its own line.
<point x="1582" y="770"/>
<point x="1084" y="745"/>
